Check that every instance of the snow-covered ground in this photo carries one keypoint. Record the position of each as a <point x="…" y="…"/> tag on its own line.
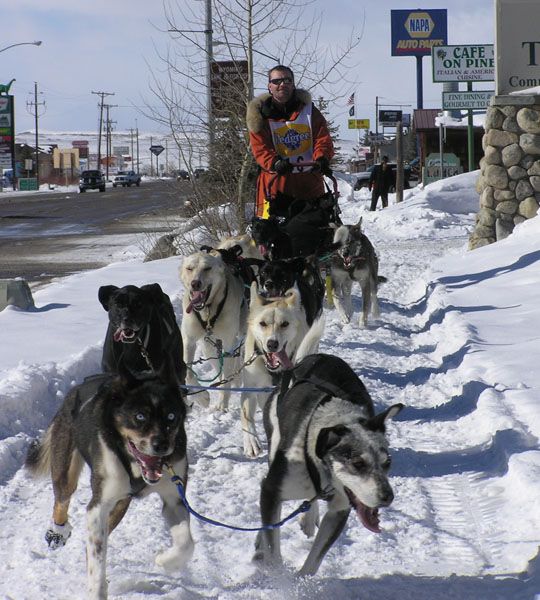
<point x="457" y="343"/>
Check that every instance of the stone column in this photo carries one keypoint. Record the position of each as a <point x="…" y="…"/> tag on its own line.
<point x="509" y="182"/>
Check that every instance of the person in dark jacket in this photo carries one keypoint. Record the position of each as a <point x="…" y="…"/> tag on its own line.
<point x="381" y="180"/>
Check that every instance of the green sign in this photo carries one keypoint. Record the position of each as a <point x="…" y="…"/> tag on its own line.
<point x="28" y="184"/>
<point x="432" y="171"/>
<point x="463" y="63"/>
<point x="471" y="100"/>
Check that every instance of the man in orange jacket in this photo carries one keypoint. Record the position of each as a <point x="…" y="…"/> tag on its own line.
<point x="286" y="129"/>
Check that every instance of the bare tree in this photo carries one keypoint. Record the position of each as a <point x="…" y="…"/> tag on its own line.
<point x="259" y="33"/>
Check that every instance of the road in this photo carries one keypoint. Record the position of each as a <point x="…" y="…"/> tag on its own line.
<point x="52" y="234"/>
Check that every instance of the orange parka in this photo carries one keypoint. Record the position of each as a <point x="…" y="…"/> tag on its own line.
<point x="302" y="185"/>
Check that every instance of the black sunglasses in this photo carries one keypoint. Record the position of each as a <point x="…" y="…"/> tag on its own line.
<point x="281" y="80"/>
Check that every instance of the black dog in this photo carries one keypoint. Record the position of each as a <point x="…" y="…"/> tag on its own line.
<point x="275" y="277"/>
<point x="271" y="237"/>
<point x="142" y="334"/>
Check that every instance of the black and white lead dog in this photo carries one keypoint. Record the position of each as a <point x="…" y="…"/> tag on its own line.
<point x="325" y="442"/>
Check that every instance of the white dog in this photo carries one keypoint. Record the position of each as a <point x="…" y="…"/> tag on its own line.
<point x="277" y="337"/>
<point x="214" y="314"/>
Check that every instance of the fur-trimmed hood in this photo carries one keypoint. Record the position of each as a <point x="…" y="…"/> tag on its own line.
<point x="254" y="117"/>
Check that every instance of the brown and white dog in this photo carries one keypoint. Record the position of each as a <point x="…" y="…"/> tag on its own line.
<point x="125" y="429"/>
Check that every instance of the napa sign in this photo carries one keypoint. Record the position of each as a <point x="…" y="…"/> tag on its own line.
<point x="463" y="63"/>
<point x="415" y="32"/>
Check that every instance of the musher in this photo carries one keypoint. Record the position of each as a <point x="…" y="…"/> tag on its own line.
<point x="286" y="129"/>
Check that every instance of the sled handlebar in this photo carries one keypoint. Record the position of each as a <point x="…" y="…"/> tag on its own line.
<point x="299" y="166"/>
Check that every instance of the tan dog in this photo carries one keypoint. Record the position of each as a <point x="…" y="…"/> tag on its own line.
<point x="214" y="315"/>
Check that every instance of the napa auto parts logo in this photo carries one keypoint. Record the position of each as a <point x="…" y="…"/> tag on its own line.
<point x="416" y="32"/>
<point x="291" y="140"/>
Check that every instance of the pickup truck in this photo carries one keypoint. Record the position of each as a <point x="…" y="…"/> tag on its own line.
<point x="91" y="180"/>
<point x="126" y="179"/>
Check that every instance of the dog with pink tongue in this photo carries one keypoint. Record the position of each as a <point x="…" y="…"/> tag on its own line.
<point x="278" y="336"/>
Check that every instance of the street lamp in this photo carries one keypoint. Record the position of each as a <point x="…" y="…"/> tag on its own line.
<point x="38" y="43"/>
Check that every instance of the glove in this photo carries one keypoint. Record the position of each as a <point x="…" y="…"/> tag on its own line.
<point x="323" y="166"/>
<point x="282" y="166"/>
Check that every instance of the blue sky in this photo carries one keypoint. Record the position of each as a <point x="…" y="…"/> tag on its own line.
<point x="110" y="46"/>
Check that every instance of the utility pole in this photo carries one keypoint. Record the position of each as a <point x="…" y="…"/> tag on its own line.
<point x="33" y="108"/>
<point x="376" y="157"/>
<point x="209" y="59"/>
<point x="108" y="124"/>
<point x="131" y="144"/>
<point x="399" y="161"/>
<point x="102" y="96"/>
<point x="137" y="134"/>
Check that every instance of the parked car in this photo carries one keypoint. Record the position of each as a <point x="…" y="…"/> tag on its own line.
<point x="91" y="180"/>
<point x="362" y="179"/>
<point x="126" y="179"/>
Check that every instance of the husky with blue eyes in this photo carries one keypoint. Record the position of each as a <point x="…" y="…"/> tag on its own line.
<point x="127" y="430"/>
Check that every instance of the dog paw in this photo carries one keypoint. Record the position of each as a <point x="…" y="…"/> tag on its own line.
<point x="222" y="406"/>
<point x="252" y="447"/>
<point x="203" y="399"/>
<point x="174" y="559"/>
<point x="264" y="561"/>
<point x="58" y="535"/>
<point x="309" y="521"/>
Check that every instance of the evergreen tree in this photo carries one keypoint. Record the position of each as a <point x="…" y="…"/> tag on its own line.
<point x="322" y="105"/>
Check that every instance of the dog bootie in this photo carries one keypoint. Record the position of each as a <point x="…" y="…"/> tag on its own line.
<point x="58" y="535"/>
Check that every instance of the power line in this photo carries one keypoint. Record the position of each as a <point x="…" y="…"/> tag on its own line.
<point x="101" y="104"/>
<point x="33" y="109"/>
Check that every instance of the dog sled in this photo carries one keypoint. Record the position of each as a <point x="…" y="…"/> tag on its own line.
<point x="292" y="227"/>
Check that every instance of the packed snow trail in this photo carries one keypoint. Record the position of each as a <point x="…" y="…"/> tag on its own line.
<point x="460" y="453"/>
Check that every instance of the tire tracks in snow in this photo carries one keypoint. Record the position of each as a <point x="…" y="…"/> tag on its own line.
<point x="415" y="355"/>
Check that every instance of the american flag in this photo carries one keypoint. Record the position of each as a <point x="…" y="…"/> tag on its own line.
<point x="350" y="100"/>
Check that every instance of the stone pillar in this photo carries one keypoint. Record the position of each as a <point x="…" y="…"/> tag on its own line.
<point x="509" y="183"/>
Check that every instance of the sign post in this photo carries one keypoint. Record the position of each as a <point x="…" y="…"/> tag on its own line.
<point x="471" y="62"/>
<point x="358" y="123"/>
<point x="228" y="87"/>
<point x="390" y="118"/>
<point x="477" y="100"/>
<point x="156" y="150"/>
<point x="415" y="33"/>
<point x="7" y="136"/>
